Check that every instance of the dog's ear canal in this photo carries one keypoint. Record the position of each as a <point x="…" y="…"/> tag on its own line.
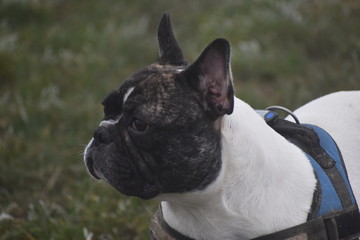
<point x="170" y="51"/>
<point x="210" y="76"/>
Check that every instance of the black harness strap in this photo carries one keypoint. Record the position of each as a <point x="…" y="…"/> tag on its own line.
<point x="340" y="226"/>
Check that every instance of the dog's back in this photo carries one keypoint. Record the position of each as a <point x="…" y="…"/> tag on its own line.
<point x="339" y="114"/>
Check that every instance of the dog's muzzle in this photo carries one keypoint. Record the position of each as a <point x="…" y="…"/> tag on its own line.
<point x="104" y="134"/>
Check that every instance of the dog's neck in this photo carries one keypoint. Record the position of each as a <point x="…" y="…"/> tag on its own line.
<point x="266" y="184"/>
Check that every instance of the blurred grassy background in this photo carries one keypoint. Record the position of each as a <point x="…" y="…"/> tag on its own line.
<point x="59" y="58"/>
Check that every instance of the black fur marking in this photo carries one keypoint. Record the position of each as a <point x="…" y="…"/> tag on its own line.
<point x="180" y="150"/>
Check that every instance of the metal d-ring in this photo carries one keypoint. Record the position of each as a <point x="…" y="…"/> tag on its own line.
<point x="284" y="110"/>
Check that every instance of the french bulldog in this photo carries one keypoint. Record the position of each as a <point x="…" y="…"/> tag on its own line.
<point x="174" y="131"/>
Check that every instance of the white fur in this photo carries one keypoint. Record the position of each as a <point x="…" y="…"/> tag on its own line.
<point x="127" y="94"/>
<point x="266" y="183"/>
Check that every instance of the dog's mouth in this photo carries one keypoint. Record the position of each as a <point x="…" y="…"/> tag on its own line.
<point x="89" y="163"/>
<point x="90" y="167"/>
<point x="127" y="175"/>
<point x="106" y="166"/>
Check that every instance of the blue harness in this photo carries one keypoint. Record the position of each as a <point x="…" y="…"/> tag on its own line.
<point x="334" y="213"/>
<point x="334" y="197"/>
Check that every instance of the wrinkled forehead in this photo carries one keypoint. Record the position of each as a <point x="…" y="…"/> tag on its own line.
<point x="150" y="93"/>
<point x="155" y="80"/>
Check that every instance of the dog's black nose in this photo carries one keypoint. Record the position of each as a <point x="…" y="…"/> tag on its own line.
<point x="103" y="135"/>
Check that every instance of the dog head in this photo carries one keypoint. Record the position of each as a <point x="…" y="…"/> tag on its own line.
<point x="161" y="130"/>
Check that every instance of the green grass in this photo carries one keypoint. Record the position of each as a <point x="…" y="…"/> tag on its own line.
<point x="58" y="59"/>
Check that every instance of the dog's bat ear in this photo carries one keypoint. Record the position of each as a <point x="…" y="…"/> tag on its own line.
<point x="210" y="75"/>
<point x="170" y="51"/>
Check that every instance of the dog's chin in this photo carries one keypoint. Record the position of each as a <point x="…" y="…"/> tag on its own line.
<point x="124" y="182"/>
<point x="132" y="186"/>
<point x="129" y="188"/>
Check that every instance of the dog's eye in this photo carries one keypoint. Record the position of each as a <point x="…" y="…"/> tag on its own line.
<point x="139" y="125"/>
